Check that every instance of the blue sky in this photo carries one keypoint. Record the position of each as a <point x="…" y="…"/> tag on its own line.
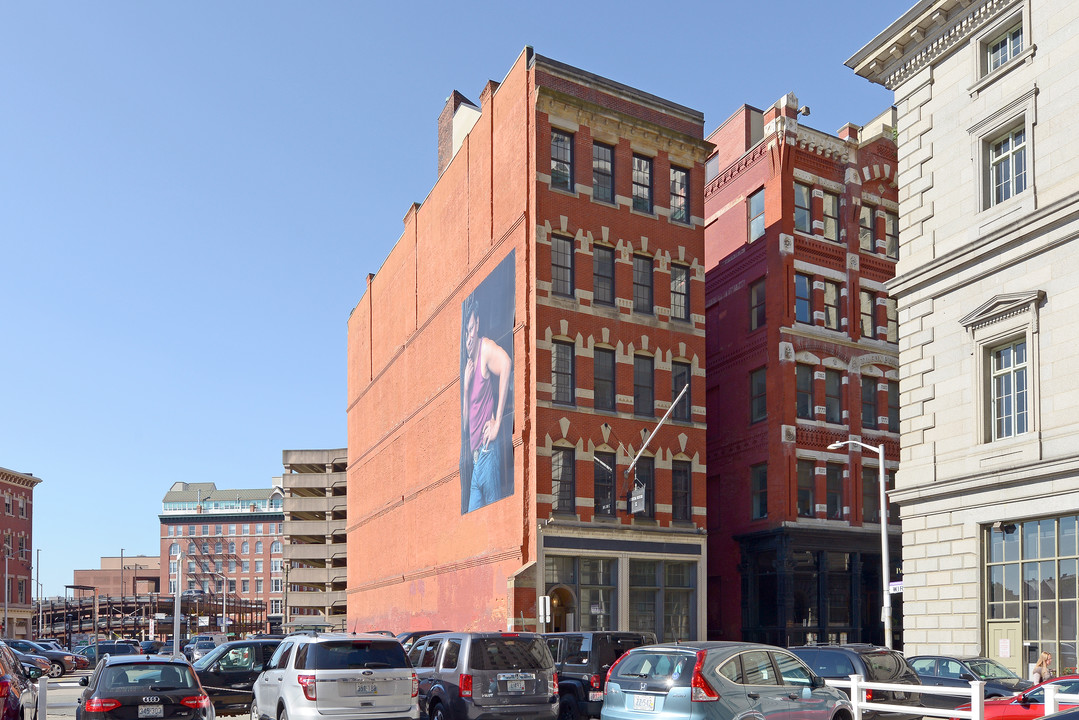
<point x="192" y="194"/>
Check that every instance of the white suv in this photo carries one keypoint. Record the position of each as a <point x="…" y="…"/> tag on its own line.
<point x="315" y="676"/>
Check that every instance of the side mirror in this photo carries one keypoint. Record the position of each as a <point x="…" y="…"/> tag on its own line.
<point x="34" y="673"/>
<point x="966" y="676"/>
<point x="84" y="681"/>
<point x="816" y="681"/>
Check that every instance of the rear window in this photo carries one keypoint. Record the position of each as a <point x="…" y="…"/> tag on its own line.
<point x="674" y="668"/>
<point x="887" y="666"/>
<point x="146" y="677"/>
<point x="510" y="653"/>
<point x="352" y="654"/>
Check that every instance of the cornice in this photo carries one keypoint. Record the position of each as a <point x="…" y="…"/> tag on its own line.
<point x="17" y="478"/>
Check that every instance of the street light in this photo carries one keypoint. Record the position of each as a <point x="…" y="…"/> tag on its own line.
<point x="886" y="610"/>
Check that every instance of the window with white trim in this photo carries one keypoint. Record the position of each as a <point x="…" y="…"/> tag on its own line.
<point x="803" y="208"/>
<point x="1007" y="165"/>
<point x="1010" y="389"/>
<point x="1004" y="47"/>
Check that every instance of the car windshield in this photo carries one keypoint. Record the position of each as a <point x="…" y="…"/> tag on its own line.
<point x="674" y="668"/>
<point x="144" y="677"/>
<point x="987" y="669"/>
<point x="510" y="653"/>
<point x="347" y="654"/>
<point x="886" y="666"/>
<point x="209" y="658"/>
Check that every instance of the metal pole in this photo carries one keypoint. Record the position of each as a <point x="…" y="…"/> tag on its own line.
<point x="121" y="582"/>
<point x="885" y="561"/>
<point x="7" y="550"/>
<point x="176" y="606"/>
<point x="40" y="612"/>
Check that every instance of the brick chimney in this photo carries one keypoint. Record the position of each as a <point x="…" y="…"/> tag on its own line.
<point x="446" y="149"/>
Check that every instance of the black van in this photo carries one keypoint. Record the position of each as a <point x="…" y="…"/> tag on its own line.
<point x="582" y="660"/>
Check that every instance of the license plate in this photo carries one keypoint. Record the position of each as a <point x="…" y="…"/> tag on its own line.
<point x="595" y="696"/>
<point x="151" y="711"/>
<point x="644" y="702"/>
<point x="515" y="685"/>
<point x="367" y="689"/>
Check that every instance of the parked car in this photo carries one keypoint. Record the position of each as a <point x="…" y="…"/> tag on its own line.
<point x="100" y="650"/>
<point x="199" y="649"/>
<point x="464" y="676"/>
<point x="60" y="661"/>
<point x="408" y="639"/>
<point x="875" y="664"/>
<point x="946" y="671"/>
<point x="51" y="645"/>
<point x="718" y="680"/>
<point x="81" y="661"/>
<point x="123" y="687"/>
<point x="1030" y="703"/>
<point x="150" y="647"/>
<point x="582" y="660"/>
<point x="37" y="663"/>
<point x="20" y="700"/>
<point x="229" y="671"/>
<point x="356" y="675"/>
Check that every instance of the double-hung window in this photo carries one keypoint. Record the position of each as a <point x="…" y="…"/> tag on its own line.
<point x="807" y="482"/>
<point x="803" y="208"/>
<point x="642" y="184"/>
<point x="758" y="395"/>
<point x="644" y="385"/>
<point x="602" y="172"/>
<point x="1008" y="165"/>
<point x="803" y="298"/>
<point x="804" y="391"/>
<point x="831" y="305"/>
<point x="679" y="194"/>
<point x="563" y="490"/>
<point x="869" y="403"/>
<point x="867" y="303"/>
<point x="679" y="292"/>
<point x="834" y="476"/>
<point x="681" y="372"/>
<point x="603" y="483"/>
<point x="561" y="160"/>
<point x="867" y="228"/>
<point x="603" y="378"/>
<point x="645" y="471"/>
<point x="831" y="217"/>
<point x="756" y="304"/>
<point x="1009" y="388"/>
<point x="1004" y="47"/>
<point x="681" y="491"/>
<point x="893" y="406"/>
<point x="562" y="373"/>
<point x="562" y="265"/>
<point x="756" y="215"/>
<point x="642" y="284"/>
<point x="602" y="275"/>
<point x="891" y="313"/>
<point x="891" y="235"/>
<point x="833" y="396"/>
<point x="758" y="483"/>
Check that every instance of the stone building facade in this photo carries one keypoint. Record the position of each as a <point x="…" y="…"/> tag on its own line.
<point x="988" y="286"/>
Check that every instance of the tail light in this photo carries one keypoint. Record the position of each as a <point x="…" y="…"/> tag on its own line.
<point x="869" y="695"/>
<point x="701" y="691"/>
<point x="5" y="688"/>
<point x="465" y="684"/>
<point x="307" y="682"/>
<point x="595" y="682"/>
<point x="415" y="686"/>
<point x="97" y="704"/>
<point x="552" y="685"/>
<point x="610" y="671"/>
<point x="195" y="702"/>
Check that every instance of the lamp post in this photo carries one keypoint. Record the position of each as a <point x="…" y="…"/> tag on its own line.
<point x="885" y="561"/>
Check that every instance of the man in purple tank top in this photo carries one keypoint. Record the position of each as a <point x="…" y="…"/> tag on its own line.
<point x="483" y="399"/>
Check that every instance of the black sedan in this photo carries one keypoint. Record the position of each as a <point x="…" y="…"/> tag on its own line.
<point x="948" y="671"/>
<point x="60" y="661"/>
<point x="143" y="686"/>
<point x="229" y="671"/>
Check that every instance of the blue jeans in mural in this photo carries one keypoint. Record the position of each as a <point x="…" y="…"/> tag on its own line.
<point x="486" y="467"/>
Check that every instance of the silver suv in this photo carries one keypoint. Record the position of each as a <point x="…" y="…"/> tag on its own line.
<point x="361" y="676"/>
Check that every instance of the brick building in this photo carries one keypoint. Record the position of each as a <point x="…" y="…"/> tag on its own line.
<point x="16" y="543"/>
<point x="233" y="536"/>
<point x="121" y="576"/>
<point x="534" y="322"/>
<point x="802" y="353"/>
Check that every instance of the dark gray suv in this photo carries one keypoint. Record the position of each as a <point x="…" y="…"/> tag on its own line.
<point x="582" y="660"/>
<point x="875" y="664"/>
<point x="482" y="676"/>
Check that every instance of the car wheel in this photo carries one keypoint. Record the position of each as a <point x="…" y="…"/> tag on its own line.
<point x="568" y="709"/>
<point x="437" y="712"/>
<point x="254" y="710"/>
<point x="283" y="715"/>
<point x="56" y="670"/>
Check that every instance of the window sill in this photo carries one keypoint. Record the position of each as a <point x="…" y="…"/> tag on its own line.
<point x="1024" y="57"/>
<point x="563" y="191"/>
<point x="1001" y="214"/>
<point x="641" y="213"/>
<point x="604" y="203"/>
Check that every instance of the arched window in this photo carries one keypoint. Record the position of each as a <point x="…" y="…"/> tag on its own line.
<point x="217" y="547"/>
<point x="191" y="548"/>
<point x="174" y="549"/>
<point x="245" y="548"/>
<point x="232" y="548"/>
<point x="206" y="548"/>
<point x="258" y="547"/>
<point x="275" y="546"/>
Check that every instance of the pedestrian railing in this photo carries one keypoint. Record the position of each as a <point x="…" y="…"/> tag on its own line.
<point x="975" y="694"/>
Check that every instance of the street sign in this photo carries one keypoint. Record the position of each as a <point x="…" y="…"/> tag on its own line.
<point x="636" y="499"/>
<point x="895" y="587"/>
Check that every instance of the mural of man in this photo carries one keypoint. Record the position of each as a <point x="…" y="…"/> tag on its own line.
<point x="484" y="389"/>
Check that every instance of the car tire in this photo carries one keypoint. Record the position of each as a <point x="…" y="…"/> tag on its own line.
<point x="283" y="715"/>
<point x="56" y="669"/>
<point x="438" y="712"/>
<point x="254" y="711"/>
<point x="568" y="708"/>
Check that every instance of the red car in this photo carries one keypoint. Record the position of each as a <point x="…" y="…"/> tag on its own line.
<point x="1029" y="704"/>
